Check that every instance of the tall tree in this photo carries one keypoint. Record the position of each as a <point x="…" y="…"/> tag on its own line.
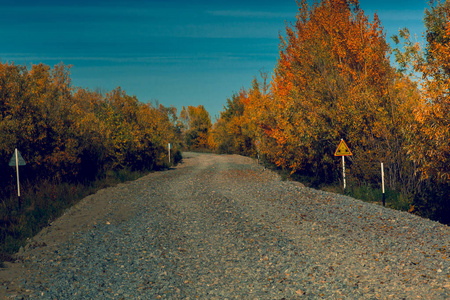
<point x="431" y="139"/>
<point x="199" y="127"/>
<point x="331" y="82"/>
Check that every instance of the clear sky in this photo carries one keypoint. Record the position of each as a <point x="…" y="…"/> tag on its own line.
<point x="179" y="52"/>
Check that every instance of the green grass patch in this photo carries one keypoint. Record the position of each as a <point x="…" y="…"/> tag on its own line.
<point x="366" y="193"/>
<point x="393" y="199"/>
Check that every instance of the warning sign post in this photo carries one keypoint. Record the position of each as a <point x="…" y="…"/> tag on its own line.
<point x="343" y="150"/>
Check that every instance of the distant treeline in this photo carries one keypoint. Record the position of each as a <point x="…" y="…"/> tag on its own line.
<point x="334" y="80"/>
<point x="73" y="134"/>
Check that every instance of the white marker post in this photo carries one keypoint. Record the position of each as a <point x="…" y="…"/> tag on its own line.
<point x="382" y="184"/>
<point x="16" y="161"/>
<point x="17" y="169"/>
<point x="168" y="146"/>
<point x="343" y="172"/>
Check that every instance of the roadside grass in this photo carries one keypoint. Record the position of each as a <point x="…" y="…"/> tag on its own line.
<point x="366" y="193"/>
<point x="42" y="203"/>
<point x="393" y="199"/>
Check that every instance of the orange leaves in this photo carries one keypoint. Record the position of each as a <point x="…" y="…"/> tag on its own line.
<point x="330" y="78"/>
<point x="244" y="120"/>
<point x="333" y="80"/>
<point x="77" y="134"/>
<point x="430" y="146"/>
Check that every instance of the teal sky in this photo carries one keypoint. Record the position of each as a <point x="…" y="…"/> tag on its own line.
<point x="176" y="52"/>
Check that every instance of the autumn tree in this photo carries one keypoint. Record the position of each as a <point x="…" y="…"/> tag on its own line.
<point x="228" y="130"/>
<point x="334" y="81"/>
<point x="69" y="136"/>
<point x="331" y="82"/>
<point x="239" y="125"/>
<point x="197" y="133"/>
<point x="183" y="120"/>
<point x="429" y="145"/>
<point x="68" y="133"/>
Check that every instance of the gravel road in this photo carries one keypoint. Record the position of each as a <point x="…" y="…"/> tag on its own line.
<point x="220" y="227"/>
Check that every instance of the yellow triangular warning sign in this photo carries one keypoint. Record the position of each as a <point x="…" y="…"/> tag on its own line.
<point x="342" y="150"/>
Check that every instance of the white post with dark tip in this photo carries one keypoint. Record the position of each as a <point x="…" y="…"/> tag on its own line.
<point x="382" y="184"/>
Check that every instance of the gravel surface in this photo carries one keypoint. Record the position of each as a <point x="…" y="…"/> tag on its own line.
<point x="220" y="227"/>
